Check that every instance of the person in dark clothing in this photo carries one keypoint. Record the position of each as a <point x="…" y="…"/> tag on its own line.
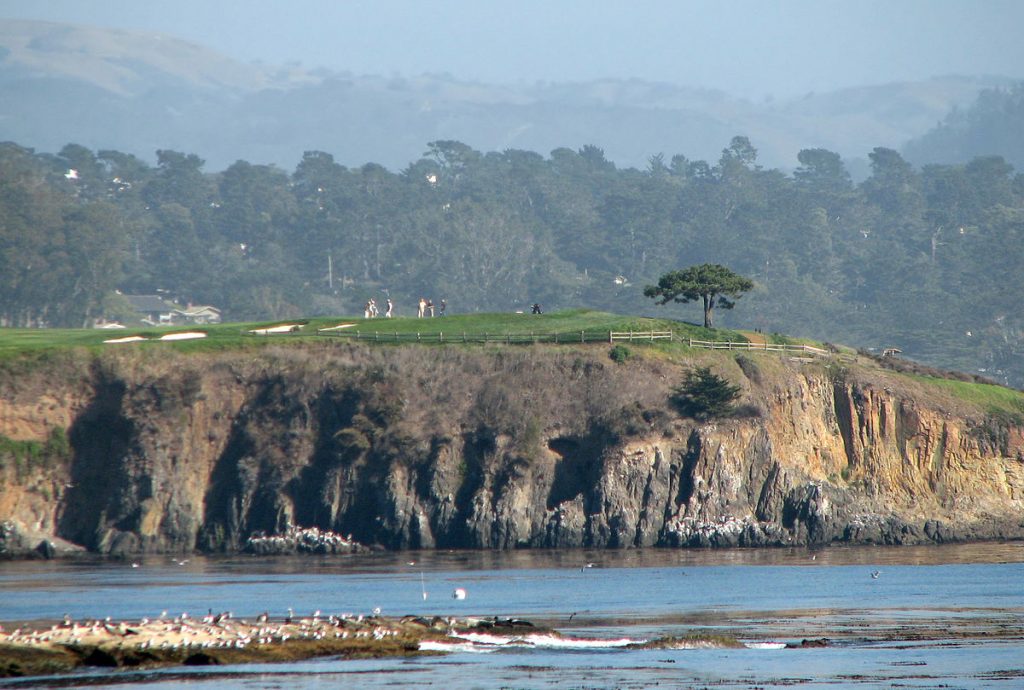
<point x="536" y="308"/>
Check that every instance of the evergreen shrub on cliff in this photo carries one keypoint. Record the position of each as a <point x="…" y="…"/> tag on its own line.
<point x="705" y="395"/>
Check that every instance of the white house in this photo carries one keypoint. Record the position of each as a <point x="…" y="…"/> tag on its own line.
<point x="200" y="314"/>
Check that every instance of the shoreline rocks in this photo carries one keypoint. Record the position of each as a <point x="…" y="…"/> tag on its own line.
<point x="296" y="540"/>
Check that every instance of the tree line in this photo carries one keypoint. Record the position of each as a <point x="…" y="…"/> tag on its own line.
<point x="923" y="259"/>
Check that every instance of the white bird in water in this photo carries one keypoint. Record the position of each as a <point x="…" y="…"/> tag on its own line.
<point x="588" y="565"/>
<point x="459" y="593"/>
<point x="875" y="574"/>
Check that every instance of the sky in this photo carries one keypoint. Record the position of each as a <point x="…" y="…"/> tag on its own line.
<point x="750" y="48"/>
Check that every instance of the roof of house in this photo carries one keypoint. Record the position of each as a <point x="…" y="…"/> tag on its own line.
<point x="148" y="303"/>
<point x="198" y="309"/>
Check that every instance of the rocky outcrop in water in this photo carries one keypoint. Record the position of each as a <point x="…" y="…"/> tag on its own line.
<point x="417" y="447"/>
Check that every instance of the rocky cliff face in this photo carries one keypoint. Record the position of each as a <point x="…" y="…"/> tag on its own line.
<point x="416" y="447"/>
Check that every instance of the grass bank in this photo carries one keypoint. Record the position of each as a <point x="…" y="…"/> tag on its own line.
<point x="595" y="324"/>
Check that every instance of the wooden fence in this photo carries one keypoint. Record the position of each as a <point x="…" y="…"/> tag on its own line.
<point x="506" y="338"/>
<point x="566" y="338"/>
<point x="641" y="336"/>
<point x="759" y="347"/>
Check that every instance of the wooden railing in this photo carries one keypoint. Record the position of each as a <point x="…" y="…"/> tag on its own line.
<point x="507" y="338"/>
<point x="566" y="338"/>
<point x="639" y="336"/>
<point x="759" y="347"/>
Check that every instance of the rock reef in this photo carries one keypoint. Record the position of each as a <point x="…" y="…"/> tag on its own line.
<point x="216" y="639"/>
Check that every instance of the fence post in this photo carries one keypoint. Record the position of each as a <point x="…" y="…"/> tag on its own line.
<point x="463" y="336"/>
<point x="440" y="336"/>
<point x="610" y="338"/>
<point x="582" y="338"/>
<point x="417" y="336"/>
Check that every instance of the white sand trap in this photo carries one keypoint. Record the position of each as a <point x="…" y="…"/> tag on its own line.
<point x="190" y="335"/>
<point x="283" y="328"/>
<point x="338" y="327"/>
<point x="126" y="339"/>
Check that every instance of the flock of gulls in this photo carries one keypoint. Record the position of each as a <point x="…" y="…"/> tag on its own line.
<point x="301" y="540"/>
<point x="212" y="631"/>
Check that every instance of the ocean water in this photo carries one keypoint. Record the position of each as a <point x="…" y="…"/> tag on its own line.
<point x="921" y="617"/>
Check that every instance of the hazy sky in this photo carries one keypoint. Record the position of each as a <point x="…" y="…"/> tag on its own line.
<point x="748" y="47"/>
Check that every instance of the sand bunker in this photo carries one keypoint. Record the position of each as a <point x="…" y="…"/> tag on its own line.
<point x="190" y="335"/>
<point x="126" y="339"/>
<point x="283" y="328"/>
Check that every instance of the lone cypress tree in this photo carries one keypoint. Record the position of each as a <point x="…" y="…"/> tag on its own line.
<point x="713" y="283"/>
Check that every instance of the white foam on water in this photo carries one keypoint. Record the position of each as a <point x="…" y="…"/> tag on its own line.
<point x="546" y="641"/>
<point x="764" y="645"/>
<point x="432" y="646"/>
<point x="486" y="639"/>
<point x="557" y="642"/>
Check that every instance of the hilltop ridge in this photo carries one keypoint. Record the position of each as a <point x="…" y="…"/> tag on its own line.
<point x="138" y="92"/>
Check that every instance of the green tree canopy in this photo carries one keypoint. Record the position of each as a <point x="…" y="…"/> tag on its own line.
<point x="713" y="283"/>
<point x="705" y="395"/>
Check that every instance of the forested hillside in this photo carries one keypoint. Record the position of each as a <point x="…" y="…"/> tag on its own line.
<point x="924" y="260"/>
<point x="994" y="124"/>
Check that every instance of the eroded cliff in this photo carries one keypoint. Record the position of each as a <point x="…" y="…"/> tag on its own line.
<point x="448" y="447"/>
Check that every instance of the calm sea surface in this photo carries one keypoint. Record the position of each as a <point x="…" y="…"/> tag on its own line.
<point x="949" y="617"/>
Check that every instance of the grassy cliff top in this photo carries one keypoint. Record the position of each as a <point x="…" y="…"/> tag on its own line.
<point x="594" y="324"/>
<point x="23" y="343"/>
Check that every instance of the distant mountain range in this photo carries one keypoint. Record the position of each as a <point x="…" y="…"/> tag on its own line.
<point x="139" y="92"/>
